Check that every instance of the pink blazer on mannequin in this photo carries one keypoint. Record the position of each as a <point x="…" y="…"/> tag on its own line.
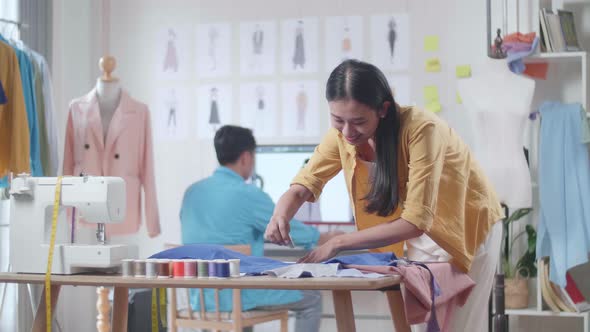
<point x="127" y="153"/>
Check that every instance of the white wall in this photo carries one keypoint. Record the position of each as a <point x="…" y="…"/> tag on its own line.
<point x="78" y="44"/>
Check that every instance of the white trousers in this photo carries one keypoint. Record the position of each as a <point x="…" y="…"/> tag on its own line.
<point x="473" y="316"/>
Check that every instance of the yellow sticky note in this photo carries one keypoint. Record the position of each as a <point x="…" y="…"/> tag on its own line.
<point x="431" y="43"/>
<point x="434" y="107"/>
<point x="433" y="65"/>
<point x="430" y="94"/>
<point x="459" y="100"/>
<point x="463" y="71"/>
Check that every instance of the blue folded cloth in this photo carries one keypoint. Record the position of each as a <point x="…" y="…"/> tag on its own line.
<point x="252" y="265"/>
<point x="515" y="58"/>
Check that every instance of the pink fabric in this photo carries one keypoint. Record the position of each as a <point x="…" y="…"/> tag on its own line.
<point x="455" y="287"/>
<point x="127" y="153"/>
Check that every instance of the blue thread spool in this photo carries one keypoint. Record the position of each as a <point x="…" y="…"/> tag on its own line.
<point x="222" y="268"/>
<point x="212" y="269"/>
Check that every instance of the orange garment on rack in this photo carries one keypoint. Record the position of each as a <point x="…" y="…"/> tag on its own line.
<point x="14" y="126"/>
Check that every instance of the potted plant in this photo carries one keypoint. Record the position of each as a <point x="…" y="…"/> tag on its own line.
<point x="517" y="275"/>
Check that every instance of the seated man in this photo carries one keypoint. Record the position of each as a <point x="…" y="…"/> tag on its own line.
<point x="224" y="209"/>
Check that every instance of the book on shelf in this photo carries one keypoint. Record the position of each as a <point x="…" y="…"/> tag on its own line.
<point x="557" y="31"/>
<point x="561" y="299"/>
<point x="575" y="295"/>
<point x="568" y="27"/>
<point x="545" y="35"/>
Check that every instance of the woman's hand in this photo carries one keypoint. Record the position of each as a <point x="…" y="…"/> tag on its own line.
<point x="277" y="231"/>
<point x="320" y="254"/>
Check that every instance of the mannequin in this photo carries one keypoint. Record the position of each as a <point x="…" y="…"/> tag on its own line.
<point x="501" y="102"/>
<point x="108" y="92"/>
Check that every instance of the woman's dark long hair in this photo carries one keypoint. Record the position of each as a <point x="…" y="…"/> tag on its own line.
<point x="366" y="84"/>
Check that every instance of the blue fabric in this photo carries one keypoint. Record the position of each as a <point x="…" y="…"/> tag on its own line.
<point x="564" y="188"/>
<point x="3" y="99"/>
<point x="515" y="59"/>
<point x="26" y="73"/>
<point x="251" y="265"/>
<point x="223" y="209"/>
<point x="366" y="259"/>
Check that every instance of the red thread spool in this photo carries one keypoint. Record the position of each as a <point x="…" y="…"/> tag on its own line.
<point x="178" y="268"/>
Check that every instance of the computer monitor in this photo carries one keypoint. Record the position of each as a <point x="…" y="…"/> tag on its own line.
<point x="277" y="165"/>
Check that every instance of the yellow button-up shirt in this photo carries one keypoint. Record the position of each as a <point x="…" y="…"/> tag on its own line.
<point x="442" y="189"/>
<point x="14" y="125"/>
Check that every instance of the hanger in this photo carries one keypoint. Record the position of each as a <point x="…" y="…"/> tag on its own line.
<point x="107" y="65"/>
<point x="14" y="26"/>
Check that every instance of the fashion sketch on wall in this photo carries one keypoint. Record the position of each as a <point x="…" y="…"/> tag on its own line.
<point x="299" y="45"/>
<point x="344" y="40"/>
<point x="171" y="120"/>
<point x="390" y="41"/>
<point x="300" y="108"/>
<point x="258" y="108"/>
<point x="214" y="120"/>
<point x="214" y="107"/>
<point x="258" y="48"/>
<point x="213" y="50"/>
<point x="299" y="51"/>
<point x="402" y="89"/>
<point x="172" y="57"/>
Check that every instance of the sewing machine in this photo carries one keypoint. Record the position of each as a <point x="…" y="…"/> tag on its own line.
<point x="98" y="199"/>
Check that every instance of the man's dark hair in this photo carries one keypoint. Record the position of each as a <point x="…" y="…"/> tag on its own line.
<point x="231" y="141"/>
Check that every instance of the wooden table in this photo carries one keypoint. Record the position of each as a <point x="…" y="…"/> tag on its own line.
<point x="340" y="287"/>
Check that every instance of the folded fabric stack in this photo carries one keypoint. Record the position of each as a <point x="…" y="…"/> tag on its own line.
<point x="518" y="46"/>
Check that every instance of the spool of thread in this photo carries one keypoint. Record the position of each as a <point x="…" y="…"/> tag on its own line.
<point x="202" y="268"/>
<point x="151" y="268"/>
<point x="234" y="268"/>
<point x="139" y="268"/>
<point x="127" y="268"/>
<point x="212" y="269"/>
<point x="178" y="268"/>
<point x="164" y="268"/>
<point x="222" y="268"/>
<point x="190" y="268"/>
<point x="171" y="268"/>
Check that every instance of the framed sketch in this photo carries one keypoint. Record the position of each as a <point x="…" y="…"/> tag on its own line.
<point x="213" y="50"/>
<point x="299" y="45"/>
<point x="214" y="108"/>
<point x="258" y="108"/>
<point x="258" y="48"/>
<point x="390" y="42"/>
<point x="344" y="40"/>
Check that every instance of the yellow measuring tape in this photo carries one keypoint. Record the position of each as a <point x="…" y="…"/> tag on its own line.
<point x="163" y="313"/>
<point x="50" y="255"/>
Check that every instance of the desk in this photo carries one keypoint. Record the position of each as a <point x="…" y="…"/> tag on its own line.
<point x="340" y="288"/>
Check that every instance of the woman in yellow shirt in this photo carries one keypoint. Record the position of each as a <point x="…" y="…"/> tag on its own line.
<point x="407" y="174"/>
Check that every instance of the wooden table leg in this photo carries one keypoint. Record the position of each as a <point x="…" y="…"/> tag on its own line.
<point x="120" y="309"/>
<point x="40" y="323"/>
<point x="103" y="320"/>
<point x="398" y="313"/>
<point x="344" y="311"/>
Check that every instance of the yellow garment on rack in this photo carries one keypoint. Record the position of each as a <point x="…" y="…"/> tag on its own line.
<point x="14" y="128"/>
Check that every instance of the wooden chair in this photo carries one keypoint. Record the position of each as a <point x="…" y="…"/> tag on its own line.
<point x="222" y="321"/>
